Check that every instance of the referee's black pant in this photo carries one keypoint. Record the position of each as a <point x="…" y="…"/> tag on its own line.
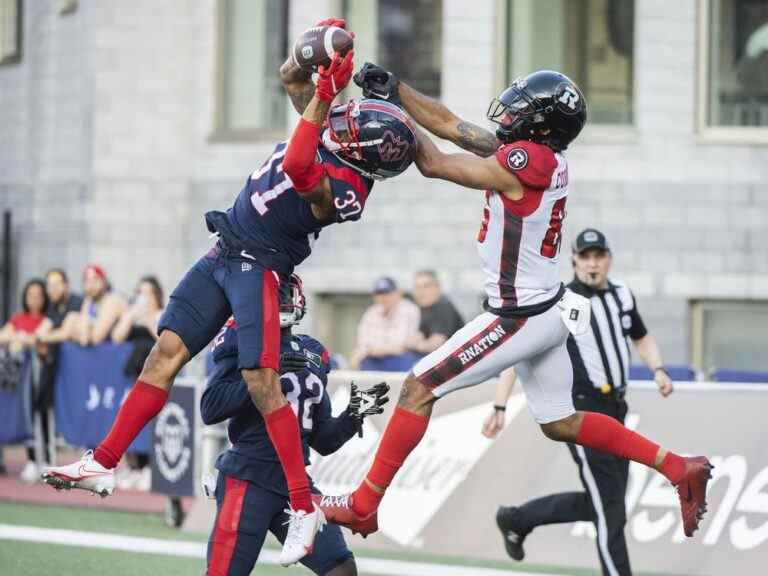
<point x="604" y="478"/>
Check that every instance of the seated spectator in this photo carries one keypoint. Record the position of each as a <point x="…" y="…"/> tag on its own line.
<point x="138" y="325"/>
<point x="385" y="329"/>
<point x="439" y="317"/>
<point x="101" y="308"/>
<point x="19" y="333"/>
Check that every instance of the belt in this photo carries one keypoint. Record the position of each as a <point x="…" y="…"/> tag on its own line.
<point x="525" y="311"/>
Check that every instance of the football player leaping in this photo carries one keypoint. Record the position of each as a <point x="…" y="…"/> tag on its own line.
<point x="524" y="173"/>
<point x="322" y="176"/>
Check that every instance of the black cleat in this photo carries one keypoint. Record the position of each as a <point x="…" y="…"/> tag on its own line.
<point x="513" y="534"/>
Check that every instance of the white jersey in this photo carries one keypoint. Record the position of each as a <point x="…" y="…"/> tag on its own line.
<point x="519" y="240"/>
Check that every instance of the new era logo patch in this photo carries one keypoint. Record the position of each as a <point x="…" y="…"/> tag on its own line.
<point x="246" y="267"/>
<point x="574" y="314"/>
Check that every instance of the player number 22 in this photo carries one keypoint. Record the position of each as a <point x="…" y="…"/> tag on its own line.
<point x="550" y="246"/>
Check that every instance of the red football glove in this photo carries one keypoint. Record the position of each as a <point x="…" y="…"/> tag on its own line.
<point x="338" y="22"/>
<point x="335" y="78"/>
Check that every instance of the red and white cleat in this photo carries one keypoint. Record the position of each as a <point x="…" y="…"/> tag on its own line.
<point x="338" y="510"/>
<point x="300" y="539"/>
<point x="85" y="474"/>
<point x="692" y="491"/>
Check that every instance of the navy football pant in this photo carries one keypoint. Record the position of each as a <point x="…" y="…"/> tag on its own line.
<point x="220" y="284"/>
<point x="245" y="512"/>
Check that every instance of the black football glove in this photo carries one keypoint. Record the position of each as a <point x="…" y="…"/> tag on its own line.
<point x="366" y="402"/>
<point x="292" y="362"/>
<point x="377" y="82"/>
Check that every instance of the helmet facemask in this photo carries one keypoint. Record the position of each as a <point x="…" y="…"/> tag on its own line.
<point x="293" y="304"/>
<point x="342" y="138"/>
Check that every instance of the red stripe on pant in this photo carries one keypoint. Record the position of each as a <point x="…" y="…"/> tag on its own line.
<point x="224" y="537"/>
<point x="270" y="336"/>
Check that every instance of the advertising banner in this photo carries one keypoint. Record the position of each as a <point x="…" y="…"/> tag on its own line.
<point x="173" y="444"/>
<point x="444" y="499"/>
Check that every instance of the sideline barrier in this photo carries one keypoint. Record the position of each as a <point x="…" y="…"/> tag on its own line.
<point x="444" y="499"/>
<point x="15" y="406"/>
<point x="90" y="387"/>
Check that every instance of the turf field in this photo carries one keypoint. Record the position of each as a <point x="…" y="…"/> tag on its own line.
<point x="29" y="536"/>
<point x="33" y="537"/>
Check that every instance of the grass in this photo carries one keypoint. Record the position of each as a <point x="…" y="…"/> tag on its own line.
<point x="33" y="559"/>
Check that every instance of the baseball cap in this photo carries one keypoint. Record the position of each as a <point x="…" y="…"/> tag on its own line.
<point x="96" y="270"/>
<point x="384" y="285"/>
<point x="590" y="238"/>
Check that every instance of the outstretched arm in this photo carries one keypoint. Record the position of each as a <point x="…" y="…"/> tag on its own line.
<point x="465" y="169"/>
<point x="297" y="83"/>
<point x="439" y="120"/>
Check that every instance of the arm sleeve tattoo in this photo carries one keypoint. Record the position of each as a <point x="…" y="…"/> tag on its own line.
<point x="476" y="139"/>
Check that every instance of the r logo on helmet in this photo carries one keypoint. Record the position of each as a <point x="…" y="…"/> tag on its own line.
<point x="517" y="159"/>
<point x="568" y="99"/>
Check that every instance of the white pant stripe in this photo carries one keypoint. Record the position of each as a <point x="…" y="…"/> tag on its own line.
<point x="597" y="502"/>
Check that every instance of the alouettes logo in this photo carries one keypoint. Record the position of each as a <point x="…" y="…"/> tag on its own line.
<point x="393" y="148"/>
<point x="517" y="159"/>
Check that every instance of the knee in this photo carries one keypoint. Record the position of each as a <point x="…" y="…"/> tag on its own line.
<point x="564" y="430"/>
<point x="414" y="395"/>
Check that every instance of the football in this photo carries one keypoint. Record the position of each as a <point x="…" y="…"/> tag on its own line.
<point x="316" y="46"/>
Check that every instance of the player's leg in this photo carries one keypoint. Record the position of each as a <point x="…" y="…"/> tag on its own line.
<point x="196" y="311"/>
<point x="244" y="513"/>
<point x="330" y="556"/>
<point x="516" y="522"/>
<point x="547" y="381"/>
<point x="253" y="295"/>
<point x="602" y="477"/>
<point x="480" y="350"/>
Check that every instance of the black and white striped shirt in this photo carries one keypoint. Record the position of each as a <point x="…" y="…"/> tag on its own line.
<point x="601" y="356"/>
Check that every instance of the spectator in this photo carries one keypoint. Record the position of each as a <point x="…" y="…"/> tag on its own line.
<point x="20" y="329"/>
<point x="385" y="329"/>
<point x="101" y="308"/>
<point x="439" y="317"/>
<point x="138" y="325"/>
<point x="19" y="333"/>
<point x="62" y="305"/>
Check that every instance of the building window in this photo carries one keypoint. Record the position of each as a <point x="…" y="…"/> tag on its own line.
<point x="729" y="335"/>
<point x="737" y="63"/>
<point x="253" y="43"/>
<point x="408" y="39"/>
<point x="335" y="318"/>
<point x="10" y="31"/>
<point x="590" y="41"/>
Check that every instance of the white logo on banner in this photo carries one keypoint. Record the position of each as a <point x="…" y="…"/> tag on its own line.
<point x="429" y="476"/>
<point x="656" y="508"/>
<point x="171" y="431"/>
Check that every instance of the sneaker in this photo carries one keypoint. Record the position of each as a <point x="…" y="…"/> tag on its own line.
<point x="30" y="473"/>
<point x="513" y="534"/>
<point x="692" y="491"/>
<point x="85" y="474"/>
<point x="338" y="510"/>
<point x="300" y="539"/>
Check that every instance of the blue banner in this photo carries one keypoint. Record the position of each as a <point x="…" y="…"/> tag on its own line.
<point x="15" y="406"/>
<point x="173" y="444"/>
<point x="90" y="388"/>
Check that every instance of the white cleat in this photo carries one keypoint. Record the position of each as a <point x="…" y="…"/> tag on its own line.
<point x="85" y="474"/>
<point x="300" y="539"/>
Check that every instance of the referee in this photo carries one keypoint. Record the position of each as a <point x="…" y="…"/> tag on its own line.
<point x="600" y="360"/>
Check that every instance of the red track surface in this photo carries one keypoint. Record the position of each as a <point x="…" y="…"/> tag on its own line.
<point x="14" y="490"/>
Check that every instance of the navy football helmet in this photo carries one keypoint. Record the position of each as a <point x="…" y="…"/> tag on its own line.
<point x="293" y="304"/>
<point x="374" y="137"/>
<point x="545" y="107"/>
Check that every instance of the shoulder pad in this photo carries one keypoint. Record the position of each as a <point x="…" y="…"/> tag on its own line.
<point x="533" y="164"/>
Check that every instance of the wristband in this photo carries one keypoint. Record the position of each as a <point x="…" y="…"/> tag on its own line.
<point x="661" y="369"/>
<point x="498" y="408"/>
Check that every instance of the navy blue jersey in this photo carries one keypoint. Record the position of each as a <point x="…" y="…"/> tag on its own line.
<point x="270" y="219"/>
<point x="252" y="456"/>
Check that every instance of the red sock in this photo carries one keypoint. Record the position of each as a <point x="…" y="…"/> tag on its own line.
<point x="606" y="434"/>
<point x="283" y="430"/>
<point x="404" y="432"/>
<point x="142" y="404"/>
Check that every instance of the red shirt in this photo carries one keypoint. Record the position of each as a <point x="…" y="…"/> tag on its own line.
<point x="26" y="321"/>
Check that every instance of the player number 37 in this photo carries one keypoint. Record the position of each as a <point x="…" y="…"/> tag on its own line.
<point x="349" y="206"/>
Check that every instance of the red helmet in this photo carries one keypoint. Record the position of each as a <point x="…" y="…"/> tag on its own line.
<point x="293" y="304"/>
